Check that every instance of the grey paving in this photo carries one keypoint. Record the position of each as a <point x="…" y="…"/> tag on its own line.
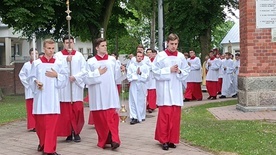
<point x="136" y="139"/>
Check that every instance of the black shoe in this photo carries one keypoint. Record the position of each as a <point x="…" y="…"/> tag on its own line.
<point x="143" y="120"/>
<point x="40" y="148"/>
<point x="222" y="96"/>
<point x="186" y="100"/>
<point x="209" y="97"/>
<point x="165" y="146"/>
<point x="77" y="138"/>
<point x="69" y="138"/>
<point x="33" y="130"/>
<point x="234" y="96"/>
<point x="171" y="145"/>
<point x="150" y="110"/>
<point x="114" y="145"/>
<point x="133" y="121"/>
<point x="214" y="98"/>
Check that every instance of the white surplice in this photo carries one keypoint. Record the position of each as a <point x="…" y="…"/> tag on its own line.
<point x="23" y="76"/>
<point x="213" y="70"/>
<point x="123" y="77"/>
<point x="151" y="84"/>
<point x="195" y="74"/>
<point x="169" y="85"/>
<point x="102" y="90"/>
<point x="137" y="90"/>
<point x="227" y="82"/>
<point x="46" y="101"/>
<point x="221" y="68"/>
<point x="78" y="69"/>
<point x="236" y="73"/>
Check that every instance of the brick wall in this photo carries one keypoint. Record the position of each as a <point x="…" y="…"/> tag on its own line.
<point x="258" y="53"/>
<point x="9" y="80"/>
<point x="19" y="88"/>
<point x="6" y="81"/>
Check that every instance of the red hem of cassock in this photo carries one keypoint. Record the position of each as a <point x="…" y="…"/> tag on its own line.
<point x="30" y="116"/>
<point x="212" y="88"/>
<point x="193" y="91"/>
<point x="106" y="122"/>
<point x="46" y="126"/>
<point x="71" y="118"/>
<point x="90" y="119"/>
<point x="219" y="84"/>
<point x="151" y="98"/>
<point x="168" y="124"/>
<point x="119" y="87"/>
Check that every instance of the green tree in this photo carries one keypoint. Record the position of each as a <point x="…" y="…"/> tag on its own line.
<point x="194" y="20"/>
<point x="48" y="17"/>
<point x="220" y="32"/>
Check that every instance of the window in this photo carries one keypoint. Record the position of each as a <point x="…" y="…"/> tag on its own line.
<point x="81" y="50"/>
<point x="89" y="51"/>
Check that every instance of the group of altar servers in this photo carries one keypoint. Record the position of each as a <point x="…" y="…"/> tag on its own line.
<point x="54" y="86"/>
<point x="222" y="75"/>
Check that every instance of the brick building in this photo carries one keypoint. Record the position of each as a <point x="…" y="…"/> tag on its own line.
<point x="257" y="78"/>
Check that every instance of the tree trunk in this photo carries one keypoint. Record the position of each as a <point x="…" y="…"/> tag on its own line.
<point x="1" y="94"/>
<point x="205" y="43"/>
<point x="105" y="16"/>
<point x="152" y="31"/>
<point x="107" y="13"/>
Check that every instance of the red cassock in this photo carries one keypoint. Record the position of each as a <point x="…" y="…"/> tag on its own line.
<point x="106" y="123"/>
<point x="119" y="87"/>
<point x="212" y="88"/>
<point x="71" y="118"/>
<point x="193" y="91"/>
<point x="219" y="84"/>
<point x="46" y="125"/>
<point x="168" y="124"/>
<point x="90" y="119"/>
<point x="151" y="98"/>
<point x="30" y="116"/>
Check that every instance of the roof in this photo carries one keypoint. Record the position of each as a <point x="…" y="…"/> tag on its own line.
<point x="2" y="24"/>
<point x="233" y="35"/>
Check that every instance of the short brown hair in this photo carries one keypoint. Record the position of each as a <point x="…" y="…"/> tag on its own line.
<point x="66" y="37"/>
<point x="30" y="51"/>
<point x="228" y="53"/>
<point x="172" y="37"/>
<point x="140" y="46"/>
<point x="48" y="41"/>
<point x="98" y="41"/>
<point x="139" y="52"/>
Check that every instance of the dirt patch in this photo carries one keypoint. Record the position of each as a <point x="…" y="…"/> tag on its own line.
<point x="227" y="153"/>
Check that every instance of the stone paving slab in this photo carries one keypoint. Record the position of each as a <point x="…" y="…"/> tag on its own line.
<point x="136" y="140"/>
<point x="231" y="113"/>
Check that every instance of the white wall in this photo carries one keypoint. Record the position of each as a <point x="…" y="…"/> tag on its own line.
<point x="25" y="46"/>
<point x="235" y="47"/>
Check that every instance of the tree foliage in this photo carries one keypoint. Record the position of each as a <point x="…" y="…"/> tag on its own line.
<point x="49" y="17"/>
<point x="194" y="21"/>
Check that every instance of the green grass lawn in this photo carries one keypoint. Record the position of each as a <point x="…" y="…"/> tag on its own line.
<point x="201" y="128"/>
<point x="12" y="108"/>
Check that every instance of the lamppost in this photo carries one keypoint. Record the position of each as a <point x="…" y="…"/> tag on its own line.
<point x="160" y="26"/>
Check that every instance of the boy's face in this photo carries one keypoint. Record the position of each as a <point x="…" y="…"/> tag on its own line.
<point x="49" y="49"/>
